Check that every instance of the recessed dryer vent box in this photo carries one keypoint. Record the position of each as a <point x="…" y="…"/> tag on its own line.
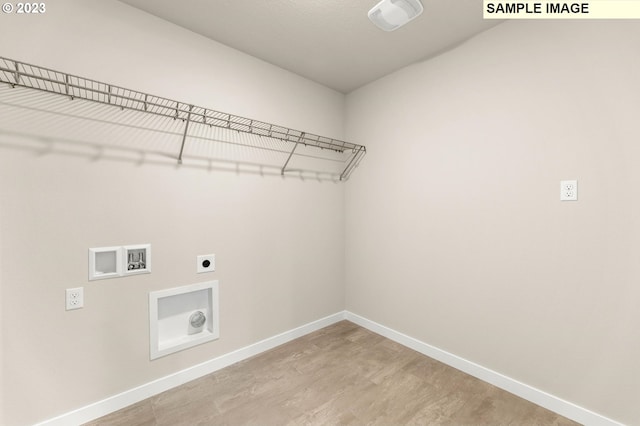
<point x="105" y="262"/>
<point x="183" y="317"/>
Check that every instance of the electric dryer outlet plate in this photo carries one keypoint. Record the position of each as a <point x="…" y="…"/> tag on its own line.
<point x="206" y="263"/>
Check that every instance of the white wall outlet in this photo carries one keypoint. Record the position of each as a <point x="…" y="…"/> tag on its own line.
<point x="206" y="263"/>
<point x="75" y="298"/>
<point x="568" y="190"/>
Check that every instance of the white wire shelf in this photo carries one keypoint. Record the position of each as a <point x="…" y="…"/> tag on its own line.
<point x="20" y="74"/>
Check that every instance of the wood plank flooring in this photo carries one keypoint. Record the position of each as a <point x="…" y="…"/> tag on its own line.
<point x="340" y="375"/>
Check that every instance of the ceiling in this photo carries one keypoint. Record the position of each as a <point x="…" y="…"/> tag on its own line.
<point x="331" y="42"/>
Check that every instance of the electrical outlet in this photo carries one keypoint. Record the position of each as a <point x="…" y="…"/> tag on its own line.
<point x="206" y="263"/>
<point x="568" y="190"/>
<point x="75" y="298"/>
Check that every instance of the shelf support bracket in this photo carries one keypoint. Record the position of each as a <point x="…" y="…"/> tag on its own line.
<point x="66" y="86"/>
<point x="17" y="75"/>
<point x="291" y="154"/>
<point x="351" y="163"/>
<point x="184" y="136"/>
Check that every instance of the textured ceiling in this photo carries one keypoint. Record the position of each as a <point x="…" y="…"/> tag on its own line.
<point x="331" y="42"/>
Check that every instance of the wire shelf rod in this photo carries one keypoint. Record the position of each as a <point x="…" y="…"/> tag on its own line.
<point x="156" y="129"/>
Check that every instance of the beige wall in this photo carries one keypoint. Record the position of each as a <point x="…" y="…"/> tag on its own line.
<point x="279" y="242"/>
<point x="455" y="232"/>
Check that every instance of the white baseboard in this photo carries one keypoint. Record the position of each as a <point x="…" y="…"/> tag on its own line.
<point x="541" y="398"/>
<point x="124" y="399"/>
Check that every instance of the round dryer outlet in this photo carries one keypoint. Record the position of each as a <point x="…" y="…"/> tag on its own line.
<point x="206" y="263"/>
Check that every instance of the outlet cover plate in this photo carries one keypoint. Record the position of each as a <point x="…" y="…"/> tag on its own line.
<point x="206" y="263"/>
<point x="568" y="190"/>
<point x="74" y="298"/>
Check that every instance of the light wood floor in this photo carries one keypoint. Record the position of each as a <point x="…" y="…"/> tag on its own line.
<point x="340" y="375"/>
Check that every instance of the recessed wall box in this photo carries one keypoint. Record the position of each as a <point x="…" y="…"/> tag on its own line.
<point x="136" y="259"/>
<point x="105" y="262"/>
<point x="182" y="317"/>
